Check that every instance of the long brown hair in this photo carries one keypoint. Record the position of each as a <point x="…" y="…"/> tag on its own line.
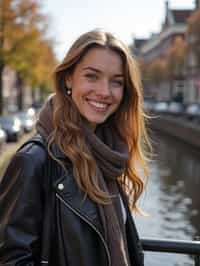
<point x="128" y="120"/>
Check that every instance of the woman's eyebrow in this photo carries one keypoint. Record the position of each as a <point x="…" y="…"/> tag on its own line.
<point x="120" y="75"/>
<point x="93" y="69"/>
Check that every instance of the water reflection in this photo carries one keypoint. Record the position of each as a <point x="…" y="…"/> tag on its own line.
<point x="171" y="198"/>
<point x="182" y="181"/>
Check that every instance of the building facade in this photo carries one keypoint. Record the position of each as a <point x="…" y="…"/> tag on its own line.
<point x="11" y="92"/>
<point x="174" y="25"/>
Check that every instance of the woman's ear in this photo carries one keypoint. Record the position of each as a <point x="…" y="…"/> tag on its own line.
<point x="68" y="82"/>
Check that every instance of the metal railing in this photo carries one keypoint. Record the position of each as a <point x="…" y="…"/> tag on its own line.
<point x="173" y="246"/>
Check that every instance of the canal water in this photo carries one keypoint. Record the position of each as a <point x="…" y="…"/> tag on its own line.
<point x="171" y="199"/>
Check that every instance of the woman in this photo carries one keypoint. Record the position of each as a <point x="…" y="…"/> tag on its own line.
<point x="64" y="197"/>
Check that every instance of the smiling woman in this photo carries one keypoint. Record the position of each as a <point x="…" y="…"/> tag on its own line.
<point x="77" y="181"/>
<point x="97" y="84"/>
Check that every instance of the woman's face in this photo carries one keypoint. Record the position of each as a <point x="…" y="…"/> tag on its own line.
<point x="97" y="84"/>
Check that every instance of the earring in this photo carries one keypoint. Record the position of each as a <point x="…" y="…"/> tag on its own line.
<point x="69" y="91"/>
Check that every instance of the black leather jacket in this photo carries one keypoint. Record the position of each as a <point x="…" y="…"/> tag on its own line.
<point x="44" y="219"/>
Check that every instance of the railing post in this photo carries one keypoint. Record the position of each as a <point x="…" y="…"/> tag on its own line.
<point x="197" y="257"/>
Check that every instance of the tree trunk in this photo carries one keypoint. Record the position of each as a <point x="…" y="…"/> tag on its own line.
<point x="42" y="94"/>
<point x="33" y="96"/>
<point x="19" y="86"/>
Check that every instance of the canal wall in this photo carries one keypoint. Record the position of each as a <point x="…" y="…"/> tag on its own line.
<point x="178" y="127"/>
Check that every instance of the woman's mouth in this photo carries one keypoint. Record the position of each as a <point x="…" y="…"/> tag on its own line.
<point x="98" y="105"/>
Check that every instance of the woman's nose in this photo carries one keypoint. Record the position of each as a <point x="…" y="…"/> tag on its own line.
<point x="104" y="89"/>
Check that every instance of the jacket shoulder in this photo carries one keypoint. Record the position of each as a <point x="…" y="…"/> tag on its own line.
<point x="22" y="195"/>
<point x="35" y="150"/>
<point x="25" y="168"/>
<point x="27" y="162"/>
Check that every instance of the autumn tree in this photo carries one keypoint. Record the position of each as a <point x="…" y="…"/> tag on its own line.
<point x="23" y="62"/>
<point x="34" y="65"/>
<point x="144" y="69"/>
<point x="21" y="25"/>
<point x="157" y="71"/>
<point x="44" y="66"/>
<point x="194" y="35"/>
<point x="175" y="58"/>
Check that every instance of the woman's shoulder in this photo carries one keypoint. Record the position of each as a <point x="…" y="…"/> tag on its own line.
<point x="31" y="155"/>
<point x="36" y="147"/>
<point x="25" y="168"/>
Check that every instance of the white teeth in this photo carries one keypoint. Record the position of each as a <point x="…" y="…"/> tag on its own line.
<point x="98" y="105"/>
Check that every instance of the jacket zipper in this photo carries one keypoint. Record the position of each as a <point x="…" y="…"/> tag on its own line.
<point x="88" y="222"/>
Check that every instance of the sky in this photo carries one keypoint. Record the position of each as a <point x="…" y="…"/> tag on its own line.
<point x="125" y="18"/>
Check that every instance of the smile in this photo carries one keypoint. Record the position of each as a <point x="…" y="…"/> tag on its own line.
<point x="98" y="105"/>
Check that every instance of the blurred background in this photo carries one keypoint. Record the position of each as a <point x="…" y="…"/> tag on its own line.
<point x="164" y="36"/>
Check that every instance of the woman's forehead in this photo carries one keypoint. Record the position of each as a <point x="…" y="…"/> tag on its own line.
<point x="102" y="59"/>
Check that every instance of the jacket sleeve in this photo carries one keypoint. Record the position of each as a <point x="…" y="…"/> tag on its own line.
<point x="21" y="212"/>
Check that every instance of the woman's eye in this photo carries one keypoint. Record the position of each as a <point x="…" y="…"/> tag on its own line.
<point x="91" y="76"/>
<point x="118" y="82"/>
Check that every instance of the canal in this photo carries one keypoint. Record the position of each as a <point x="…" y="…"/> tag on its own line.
<point x="171" y="198"/>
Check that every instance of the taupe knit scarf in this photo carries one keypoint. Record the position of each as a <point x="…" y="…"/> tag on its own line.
<point x="111" y="155"/>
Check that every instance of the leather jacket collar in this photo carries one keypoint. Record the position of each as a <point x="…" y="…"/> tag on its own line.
<point x="68" y="190"/>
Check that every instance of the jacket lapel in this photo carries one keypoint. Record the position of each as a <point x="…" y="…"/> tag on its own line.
<point x="67" y="188"/>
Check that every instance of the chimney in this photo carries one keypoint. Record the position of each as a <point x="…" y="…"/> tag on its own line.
<point x="167" y="6"/>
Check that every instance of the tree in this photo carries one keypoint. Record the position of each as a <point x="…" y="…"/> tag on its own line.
<point x="34" y="65"/>
<point x="21" y="24"/>
<point x="153" y="74"/>
<point x="157" y="71"/>
<point x="44" y="66"/>
<point x="194" y="34"/>
<point x="175" y="58"/>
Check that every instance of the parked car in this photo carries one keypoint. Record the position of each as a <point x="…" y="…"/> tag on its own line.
<point x="175" y="108"/>
<point x="27" y="119"/>
<point x="31" y="111"/>
<point x="12" y="127"/>
<point x="160" y="107"/>
<point x="37" y="106"/>
<point x="192" y="111"/>
<point x="3" y="137"/>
